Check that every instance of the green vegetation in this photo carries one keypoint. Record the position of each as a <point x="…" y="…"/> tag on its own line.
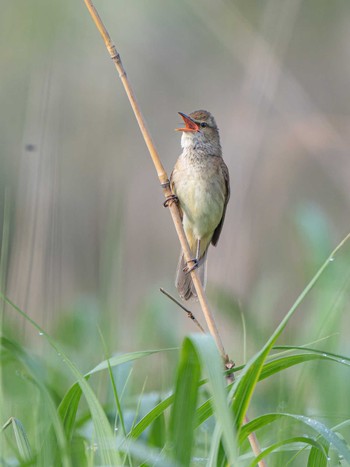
<point x="97" y="367"/>
<point x="107" y="416"/>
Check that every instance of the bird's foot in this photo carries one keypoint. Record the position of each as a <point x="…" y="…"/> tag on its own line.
<point x="169" y="200"/>
<point x="188" y="268"/>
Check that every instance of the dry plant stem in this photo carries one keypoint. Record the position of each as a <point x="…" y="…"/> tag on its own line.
<point x="163" y="178"/>
<point x="189" y="312"/>
<point x="230" y="378"/>
<point x="164" y="181"/>
<point x="254" y="444"/>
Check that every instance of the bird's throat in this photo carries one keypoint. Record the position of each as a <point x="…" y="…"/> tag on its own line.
<point x="190" y="140"/>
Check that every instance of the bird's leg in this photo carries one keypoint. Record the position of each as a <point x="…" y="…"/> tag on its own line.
<point x="187" y="269"/>
<point x="169" y="200"/>
<point x="198" y="249"/>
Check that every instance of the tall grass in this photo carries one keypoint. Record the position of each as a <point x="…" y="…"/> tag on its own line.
<point x="56" y="415"/>
<point x="264" y="69"/>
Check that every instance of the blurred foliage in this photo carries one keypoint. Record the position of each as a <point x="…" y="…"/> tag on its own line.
<point x="82" y="189"/>
<point x="86" y="244"/>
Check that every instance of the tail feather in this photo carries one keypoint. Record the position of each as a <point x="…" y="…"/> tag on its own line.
<point x="184" y="282"/>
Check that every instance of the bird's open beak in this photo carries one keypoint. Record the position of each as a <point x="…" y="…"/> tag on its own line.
<point x="191" y="125"/>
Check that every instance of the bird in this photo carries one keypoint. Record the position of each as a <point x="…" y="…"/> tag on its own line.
<point x="200" y="183"/>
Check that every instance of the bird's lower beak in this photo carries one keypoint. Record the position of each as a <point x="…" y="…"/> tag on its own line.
<point x="191" y="125"/>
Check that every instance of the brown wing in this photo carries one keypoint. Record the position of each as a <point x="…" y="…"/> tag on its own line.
<point x="173" y="189"/>
<point x="218" y="229"/>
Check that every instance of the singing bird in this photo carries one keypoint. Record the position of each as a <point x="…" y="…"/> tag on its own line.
<point x="200" y="181"/>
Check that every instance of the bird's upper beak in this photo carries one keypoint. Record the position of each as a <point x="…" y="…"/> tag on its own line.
<point x="190" y="125"/>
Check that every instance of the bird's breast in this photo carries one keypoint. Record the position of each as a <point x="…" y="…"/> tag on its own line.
<point x="200" y="187"/>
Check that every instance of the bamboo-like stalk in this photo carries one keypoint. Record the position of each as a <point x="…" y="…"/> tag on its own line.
<point x="229" y="378"/>
<point x="162" y="175"/>
<point x="164" y="182"/>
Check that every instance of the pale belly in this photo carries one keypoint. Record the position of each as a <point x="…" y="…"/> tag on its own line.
<point x="202" y="201"/>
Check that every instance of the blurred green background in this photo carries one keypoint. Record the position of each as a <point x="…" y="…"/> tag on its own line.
<point x="90" y="243"/>
<point x="86" y="243"/>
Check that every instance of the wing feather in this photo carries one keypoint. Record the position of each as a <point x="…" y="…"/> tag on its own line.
<point x="217" y="231"/>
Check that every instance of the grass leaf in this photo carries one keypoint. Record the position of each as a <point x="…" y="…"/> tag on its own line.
<point x="212" y="366"/>
<point x="244" y="386"/>
<point x="290" y="441"/>
<point x="22" y="441"/>
<point x="104" y="435"/>
<point x="324" y="432"/>
<point x="185" y="401"/>
<point x="151" y="416"/>
<point x="35" y="377"/>
<point x="70" y="402"/>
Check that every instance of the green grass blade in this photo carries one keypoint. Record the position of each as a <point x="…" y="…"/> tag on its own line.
<point x="244" y="386"/>
<point x="204" y="412"/>
<point x="151" y="416"/>
<point x="274" y="366"/>
<point x="283" y="363"/>
<point x="334" y="356"/>
<point x="117" y="400"/>
<point x="289" y="441"/>
<point x="22" y="441"/>
<point x="70" y="402"/>
<point x="157" y="435"/>
<point x="68" y="408"/>
<point x="124" y="358"/>
<point x="212" y="365"/>
<point x="185" y="401"/>
<point x="316" y="457"/>
<point x="324" y="432"/>
<point x="256" y="424"/>
<point x="35" y="378"/>
<point x="215" y="445"/>
<point x="104" y="434"/>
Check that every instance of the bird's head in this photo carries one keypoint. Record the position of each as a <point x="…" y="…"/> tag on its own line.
<point x="200" y="130"/>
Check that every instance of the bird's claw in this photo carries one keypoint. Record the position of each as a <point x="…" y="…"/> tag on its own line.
<point x="170" y="200"/>
<point x="187" y="269"/>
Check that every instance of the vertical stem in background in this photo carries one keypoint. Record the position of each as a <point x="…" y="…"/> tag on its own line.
<point x="3" y="274"/>
<point x="4" y="251"/>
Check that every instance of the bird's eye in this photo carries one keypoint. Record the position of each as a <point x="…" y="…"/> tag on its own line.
<point x="203" y="124"/>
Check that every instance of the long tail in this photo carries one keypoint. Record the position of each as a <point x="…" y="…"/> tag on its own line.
<point x="183" y="281"/>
